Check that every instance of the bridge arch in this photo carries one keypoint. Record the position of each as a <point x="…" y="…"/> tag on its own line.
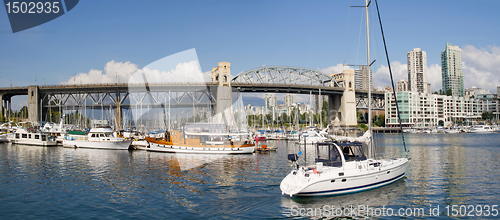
<point x="284" y="75"/>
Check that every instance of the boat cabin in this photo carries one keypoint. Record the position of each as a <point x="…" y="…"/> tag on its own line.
<point x="333" y="153"/>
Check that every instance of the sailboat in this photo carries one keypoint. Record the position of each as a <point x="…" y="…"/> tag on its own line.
<point x="343" y="167"/>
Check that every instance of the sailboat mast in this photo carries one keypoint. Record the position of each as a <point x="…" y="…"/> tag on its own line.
<point x="369" y="77"/>
<point x="368" y="67"/>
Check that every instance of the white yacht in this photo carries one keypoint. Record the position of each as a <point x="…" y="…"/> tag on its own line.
<point x="4" y="135"/>
<point x="340" y="173"/>
<point x="342" y="167"/>
<point x="32" y="136"/>
<point x="311" y="136"/>
<point x="102" y="138"/>
<point x="481" y="129"/>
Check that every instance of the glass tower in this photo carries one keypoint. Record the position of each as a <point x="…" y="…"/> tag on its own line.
<point x="451" y="67"/>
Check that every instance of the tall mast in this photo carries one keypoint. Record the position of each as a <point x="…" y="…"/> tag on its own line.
<point x="368" y="73"/>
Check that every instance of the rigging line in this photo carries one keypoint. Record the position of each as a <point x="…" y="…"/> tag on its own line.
<point x="392" y="80"/>
<point x="359" y="37"/>
<point x="346" y="52"/>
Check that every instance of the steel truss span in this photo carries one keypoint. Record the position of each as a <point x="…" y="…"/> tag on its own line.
<point x="283" y="75"/>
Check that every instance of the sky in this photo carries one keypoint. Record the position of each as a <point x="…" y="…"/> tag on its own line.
<point x="108" y="41"/>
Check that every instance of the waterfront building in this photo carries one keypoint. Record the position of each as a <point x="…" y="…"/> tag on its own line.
<point x="451" y="69"/>
<point x="402" y="86"/>
<point x="473" y="92"/>
<point x="417" y="70"/>
<point x="429" y="110"/>
<point x="490" y="103"/>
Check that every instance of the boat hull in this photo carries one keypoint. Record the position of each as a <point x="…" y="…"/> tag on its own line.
<point x="3" y="138"/>
<point x="113" y="145"/>
<point x="200" y="150"/>
<point x="332" y="183"/>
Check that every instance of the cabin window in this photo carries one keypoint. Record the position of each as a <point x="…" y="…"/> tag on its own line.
<point x="343" y="180"/>
<point x="25" y="135"/>
<point x="93" y="135"/>
<point x="29" y="136"/>
<point x="101" y="135"/>
<point x="44" y="137"/>
<point x="17" y="136"/>
<point x="37" y="136"/>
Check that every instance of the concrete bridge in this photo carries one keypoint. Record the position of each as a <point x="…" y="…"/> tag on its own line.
<point x="343" y="99"/>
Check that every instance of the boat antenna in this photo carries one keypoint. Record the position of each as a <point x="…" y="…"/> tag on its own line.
<point x="392" y="80"/>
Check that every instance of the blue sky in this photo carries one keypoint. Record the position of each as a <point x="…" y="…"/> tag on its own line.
<point x="250" y="34"/>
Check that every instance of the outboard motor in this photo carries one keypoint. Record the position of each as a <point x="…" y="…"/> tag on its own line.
<point x="294" y="158"/>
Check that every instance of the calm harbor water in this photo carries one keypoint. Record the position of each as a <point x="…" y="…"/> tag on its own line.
<point x="56" y="182"/>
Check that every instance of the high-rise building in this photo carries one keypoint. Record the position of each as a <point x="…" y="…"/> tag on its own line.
<point x="451" y="67"/>
<point x="288" y="100"/>
<point x="361" y="78"/>
<point x="271" y="101"/>
<point x="402" y="86"/>
<point x="417" y="70"/>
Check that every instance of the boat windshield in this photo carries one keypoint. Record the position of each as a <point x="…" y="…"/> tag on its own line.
<point x="328" y="154"/>
<point x="352" y="151"/>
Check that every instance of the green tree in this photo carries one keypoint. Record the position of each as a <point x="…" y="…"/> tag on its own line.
<point x="449" y="92"/>
<point x="487" y="115"/>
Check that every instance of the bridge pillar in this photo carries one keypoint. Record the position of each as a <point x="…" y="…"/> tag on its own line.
<point x="334" y="114"/>
<point x="33" y="103"/>
<point x="342" y="108"/>
<point x="224" y="95"/>
<point x="348" y="102"/>
<point x="2" y="108"/>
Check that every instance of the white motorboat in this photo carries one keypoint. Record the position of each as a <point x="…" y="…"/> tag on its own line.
<point x="311" y="136"/>
<point x="452" y="131"/>
<point x="101" y="138"/>
<point x="32" y="136"/>
<point x="340" y="173"/>
<point x="55" y="130"/>
<point x="342" y="167"/>
<point x="202" y="138"/>
<point x="481" y="129"/>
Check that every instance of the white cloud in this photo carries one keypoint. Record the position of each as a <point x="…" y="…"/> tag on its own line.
<point x="113" y="72"/>
<point x="481" y="67"/>
<point x="434" y="77"/>
<point x="188" y="72"/>
<point x="339" y="68"/>
<point x="382" y="78"/>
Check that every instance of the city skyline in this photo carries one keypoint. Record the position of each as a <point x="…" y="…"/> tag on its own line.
<point x="125" y="36"/>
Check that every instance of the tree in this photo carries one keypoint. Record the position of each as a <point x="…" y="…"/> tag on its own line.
<point x="487" y="115"/>
<point x="449" y="92"/>
<point x="380" y="121"/>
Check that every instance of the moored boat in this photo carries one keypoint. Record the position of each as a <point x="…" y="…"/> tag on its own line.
<point x="202" y="138"/>
<point x="101" y="138"/>
<point x="32" y="136"/>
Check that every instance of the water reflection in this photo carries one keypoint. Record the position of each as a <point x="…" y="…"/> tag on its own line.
<point x="386" y="196"/>
<point x="56" y="182"/>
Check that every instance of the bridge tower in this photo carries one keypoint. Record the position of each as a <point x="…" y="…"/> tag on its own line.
<point x="224" y="97"/>
<point x="342" y="108"/>
<point x="33" y="103"/>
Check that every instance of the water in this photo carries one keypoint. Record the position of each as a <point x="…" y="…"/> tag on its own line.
<point x="62" y="183"/>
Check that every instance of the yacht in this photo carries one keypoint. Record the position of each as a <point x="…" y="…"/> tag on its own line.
<point x="311" y="136"/>
<point x="202" y="138"/>
<point x="342" y="168"/>
<point x="101" y="138"/>
<point x="32" y="136"/>
<point x="481" y="129"/>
